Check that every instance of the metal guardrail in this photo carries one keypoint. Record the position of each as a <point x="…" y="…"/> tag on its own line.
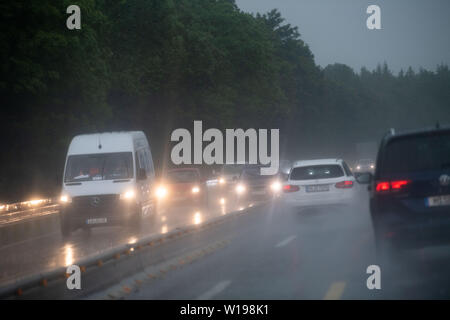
<point x="12" y="207"/>
<point x="16" y="288"/>
<point x="17" y="212"/>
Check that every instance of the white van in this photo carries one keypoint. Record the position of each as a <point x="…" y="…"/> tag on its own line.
<point x="108" y="179"/>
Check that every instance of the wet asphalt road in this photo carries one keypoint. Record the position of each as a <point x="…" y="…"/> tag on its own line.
<point x="320" y="253"/>
<point x="274" y="253"/>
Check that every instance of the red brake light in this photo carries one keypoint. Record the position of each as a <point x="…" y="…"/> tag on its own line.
<point x="383" y="186"/>
<point x="290" y="188"/>
<point x="344" y="184"/>
<point x="399" y="184"/>
<point x="393" y="185"/>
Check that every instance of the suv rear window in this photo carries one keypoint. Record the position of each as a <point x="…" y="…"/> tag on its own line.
<point x="417" y="153"/>
<point x="316" y="172"/>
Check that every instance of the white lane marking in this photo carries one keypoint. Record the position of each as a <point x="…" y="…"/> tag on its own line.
<point x="218" y="288"/>
<point x="285" y="241"/>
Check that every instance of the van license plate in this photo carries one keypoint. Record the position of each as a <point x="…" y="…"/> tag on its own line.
<point x="96" y="221"/>
<point x="438" y="201"/>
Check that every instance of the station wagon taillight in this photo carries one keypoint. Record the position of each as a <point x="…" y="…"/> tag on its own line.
<point x="290" y="188"/>
<point x="344" y="184"/>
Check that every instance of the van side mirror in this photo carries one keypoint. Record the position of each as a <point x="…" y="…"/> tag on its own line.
<point x="141" y="174"/>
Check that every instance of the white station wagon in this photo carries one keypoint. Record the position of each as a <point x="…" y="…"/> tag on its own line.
<point x="319" y="182"/>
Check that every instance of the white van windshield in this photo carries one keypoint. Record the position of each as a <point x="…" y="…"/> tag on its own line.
<point x="104" y="166"/>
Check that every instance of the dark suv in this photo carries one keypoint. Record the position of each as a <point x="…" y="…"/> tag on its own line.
<point x="410" y="191"/>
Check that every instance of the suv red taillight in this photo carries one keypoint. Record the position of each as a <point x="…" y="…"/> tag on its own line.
<point x="399" y="184"/>
<point x="344" y="184"/>
<point x="386" y="186"/>
<point x="382" y="186"/>
<point x="290" y="188"/>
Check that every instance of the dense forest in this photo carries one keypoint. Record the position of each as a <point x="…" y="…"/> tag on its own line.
<point x="157" y="65"/>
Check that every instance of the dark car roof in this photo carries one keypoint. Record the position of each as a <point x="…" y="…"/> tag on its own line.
<point x="405" y="133"/>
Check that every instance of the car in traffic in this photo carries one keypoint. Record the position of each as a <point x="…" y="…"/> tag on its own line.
<point x="181" y="186"/>
<point x="319" y="182"/>
<point x="229" y="173"/>
<point x="107" y="181"/>
<point x="410" y="191"/>
<point x="252" y="186"/>
<point x="364" y="165"/>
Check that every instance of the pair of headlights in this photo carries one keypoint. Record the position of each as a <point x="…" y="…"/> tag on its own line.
<point x="127" y="195"/>
<point x="161" y="192"/>
<point x="371" y="167"/>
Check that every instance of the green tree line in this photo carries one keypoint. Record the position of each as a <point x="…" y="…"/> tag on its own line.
<point x="157" y="65"/>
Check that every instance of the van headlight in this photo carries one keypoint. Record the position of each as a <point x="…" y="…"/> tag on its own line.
<point x="161" y="192"/>
<point x="240" y="188"/>
<point x="128" y="195"/>
<point x="222" y="180"/>
<point x="195" y="190"/>
<point x="65" y="199"/>
<point x="276" y="186"/>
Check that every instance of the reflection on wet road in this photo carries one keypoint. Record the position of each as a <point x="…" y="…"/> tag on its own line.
<point x="40" y="254"/>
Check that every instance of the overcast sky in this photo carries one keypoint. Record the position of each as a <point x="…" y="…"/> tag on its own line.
<point x="414" y="32"/>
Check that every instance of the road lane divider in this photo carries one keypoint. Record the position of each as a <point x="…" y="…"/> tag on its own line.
<point x="150" y="274"/>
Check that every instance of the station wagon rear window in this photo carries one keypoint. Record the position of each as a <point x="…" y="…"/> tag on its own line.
<point x="316" y="172"/>
<point x="95" y="167"/>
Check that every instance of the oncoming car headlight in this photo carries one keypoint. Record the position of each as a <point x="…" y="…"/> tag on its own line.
<point x="65" y="199"/>
<point x="275" y="186"/>
<point x="161" y="192"/>
<point x="222" y="180"/>
<point x="128" y="195"/>
<point x="240" y="188"/>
